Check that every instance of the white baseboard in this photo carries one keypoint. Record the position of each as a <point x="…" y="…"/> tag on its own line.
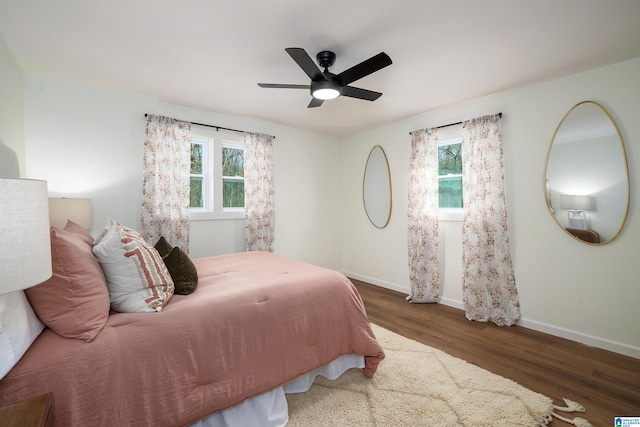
<point x="381" y="283"/>
<point x="452" y="303"/>
<point x="581" y="337"/>
<point x="590" y="340"/>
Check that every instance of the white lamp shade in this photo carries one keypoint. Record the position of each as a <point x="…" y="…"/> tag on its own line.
<point x="76" y="210"/>
<point x="25" y="246"/>
<point x="578" y="203"/>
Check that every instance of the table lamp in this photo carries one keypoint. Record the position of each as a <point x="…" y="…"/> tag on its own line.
<point x="25" y="247"/>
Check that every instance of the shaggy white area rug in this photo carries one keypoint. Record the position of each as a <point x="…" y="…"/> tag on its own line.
<point x="416" y="385"/>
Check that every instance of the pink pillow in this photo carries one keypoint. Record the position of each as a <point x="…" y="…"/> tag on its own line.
<point x="74" y="302"/>
<point x="80" y="231"/>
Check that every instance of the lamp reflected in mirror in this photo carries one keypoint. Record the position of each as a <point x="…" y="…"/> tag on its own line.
<point x="576" y="207"/>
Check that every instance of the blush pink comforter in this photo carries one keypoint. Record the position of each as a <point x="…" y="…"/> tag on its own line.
<point x="256" y="321"/>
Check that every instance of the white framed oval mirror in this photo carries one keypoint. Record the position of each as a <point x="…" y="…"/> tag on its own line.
<point x="376" y="188"/>
<point x="586" y="176"/>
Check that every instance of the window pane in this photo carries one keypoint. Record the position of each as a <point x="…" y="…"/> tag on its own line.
<point x="196" y="158"/>
<point x="450" y="180"/>
<point x="232" y="181"/>
<point x="450" y="192"/>
<point x="450" y="159"/>
<point x="196" y="199"/>
<point x="232" y="161"/>
<point x="232" y="193"/>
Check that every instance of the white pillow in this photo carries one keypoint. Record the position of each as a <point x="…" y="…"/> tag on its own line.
<point x="137" y="278"/>
<point x="19" y="328"/>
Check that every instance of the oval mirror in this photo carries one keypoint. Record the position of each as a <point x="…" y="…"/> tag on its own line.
<point x="586" y="175"/>
<point x="376" y="188"/>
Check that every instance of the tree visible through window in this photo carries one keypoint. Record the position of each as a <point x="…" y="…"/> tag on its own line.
<point x="450" y="175"/>
<point x="197" y="175"/>
<point x="232" y="177"/>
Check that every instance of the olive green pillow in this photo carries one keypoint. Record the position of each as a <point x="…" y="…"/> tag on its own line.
<point x="182" y="271"/>
<point x="163" y="247"/>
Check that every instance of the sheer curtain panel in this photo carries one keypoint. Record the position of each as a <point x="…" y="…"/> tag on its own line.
<point x="258" y="192"/>
<point x="488" y="283"/>
<point x="165" y="185"/>
<point x="422" y="216"/>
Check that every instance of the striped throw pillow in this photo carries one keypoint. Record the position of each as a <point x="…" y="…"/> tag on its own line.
<point x="137" y="278"/>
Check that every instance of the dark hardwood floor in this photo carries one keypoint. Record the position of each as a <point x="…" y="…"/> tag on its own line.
<point x="607" y="384"/>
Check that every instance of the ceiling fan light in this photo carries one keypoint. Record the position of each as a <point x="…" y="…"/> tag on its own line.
<point x="325" y="89"/>
<point x="326" y="93"/>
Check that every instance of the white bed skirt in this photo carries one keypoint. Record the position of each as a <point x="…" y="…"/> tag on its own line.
<point x="270" y="409"/>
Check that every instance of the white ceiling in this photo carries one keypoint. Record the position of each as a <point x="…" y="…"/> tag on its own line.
<point x="212" y="53"/>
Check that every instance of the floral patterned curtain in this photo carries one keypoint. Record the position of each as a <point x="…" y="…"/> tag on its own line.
<point x="422" y="235"/>
<point x="165" y="181"/>
<point x="258" y="192"/>
<point x="488" y="282"/>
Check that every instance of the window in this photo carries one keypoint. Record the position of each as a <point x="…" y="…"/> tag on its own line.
<point x="450" y="180"/>
<point x="217" y="174"/>
<point x="450" y="174"/>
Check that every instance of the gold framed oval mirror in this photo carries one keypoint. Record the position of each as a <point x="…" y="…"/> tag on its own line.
<point x="586" y="177"/>
<point x="376" y="188"/>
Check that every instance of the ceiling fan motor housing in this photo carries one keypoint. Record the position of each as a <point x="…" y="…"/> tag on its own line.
<point x="326" y="58"/>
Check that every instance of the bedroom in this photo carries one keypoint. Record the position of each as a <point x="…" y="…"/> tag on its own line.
<point x="85" y="140"/>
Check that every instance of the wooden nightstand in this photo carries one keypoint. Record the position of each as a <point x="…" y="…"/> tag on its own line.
<point x="37" y="412"/>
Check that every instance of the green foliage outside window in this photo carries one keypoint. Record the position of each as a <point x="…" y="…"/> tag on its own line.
<point x="450" y="176"/>
<point x="450" y="159"/>
<point x="233" y="193"/>
<point x="196" y="158"/>
<point x="450" y="192"/>
<point x="196" y="189"/>
<point x="195" y="193"/>
<point x="232" y="177"/>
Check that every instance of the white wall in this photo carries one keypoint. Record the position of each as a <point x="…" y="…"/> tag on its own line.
<point x="11" y="104"/>
<point x="586" y="293"/>
<point x="87" y="142"/>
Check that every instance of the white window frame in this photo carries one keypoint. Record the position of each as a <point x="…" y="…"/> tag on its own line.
<point x="212" y="155"/>
<point x="450" y="214"/>
<point x="205" y="175"/>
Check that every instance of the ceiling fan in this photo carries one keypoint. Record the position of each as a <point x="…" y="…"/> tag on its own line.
<point x="326" y="85"/>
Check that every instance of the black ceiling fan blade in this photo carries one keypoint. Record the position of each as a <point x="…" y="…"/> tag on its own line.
<point x="365" y="68"/>
<point x="281" y="86"/>
<point x="356" y="92"/>
<point x="315" y="102"/>
<point x="306" y="63"/>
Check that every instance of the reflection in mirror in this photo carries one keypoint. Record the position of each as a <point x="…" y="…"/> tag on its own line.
<point x="376" y="188"/>
<point x="586" y="176"/>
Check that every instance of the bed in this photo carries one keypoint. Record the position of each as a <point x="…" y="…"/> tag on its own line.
<point x="256" y="325"/>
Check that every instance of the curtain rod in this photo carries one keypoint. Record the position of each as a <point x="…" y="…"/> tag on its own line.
<point x="218" y="127"/>
<point x="453" y="124"/>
